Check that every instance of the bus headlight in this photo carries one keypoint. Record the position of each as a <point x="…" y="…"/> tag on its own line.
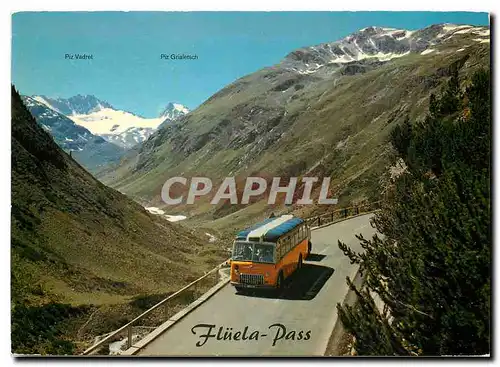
<point x="236" y="269"/>
<point x="266" y="275"/>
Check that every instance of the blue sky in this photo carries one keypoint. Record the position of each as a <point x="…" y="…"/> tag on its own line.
<point x="127" y="70"/>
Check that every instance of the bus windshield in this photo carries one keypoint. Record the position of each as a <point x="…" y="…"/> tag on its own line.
<point x="256" y="252"/>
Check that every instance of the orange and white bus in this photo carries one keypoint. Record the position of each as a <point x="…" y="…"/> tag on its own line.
<point x="265" y="254"/>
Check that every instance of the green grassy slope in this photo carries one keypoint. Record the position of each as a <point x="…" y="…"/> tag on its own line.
<point x="276" y="122"/>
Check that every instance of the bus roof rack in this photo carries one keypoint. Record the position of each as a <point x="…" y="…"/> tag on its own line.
<point x="271" y="229"/>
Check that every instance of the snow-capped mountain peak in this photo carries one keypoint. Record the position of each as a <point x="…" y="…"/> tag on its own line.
<point x="120" y="127"/>
<point x="101" y="118"/>
<point x="174" y="110"/>
<point x="378" y="44"/>
<point x="90" y="150"/>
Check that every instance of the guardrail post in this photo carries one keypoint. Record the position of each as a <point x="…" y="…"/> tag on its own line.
<point x="129" y="337"/>
<point x="216" y="276"/>
<point x="319" y="220"/>
<point x="165" y="310"/>
<point x="332" y="217"/>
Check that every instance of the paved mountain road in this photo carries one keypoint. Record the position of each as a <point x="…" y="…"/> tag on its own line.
<point x="306" y="308"/>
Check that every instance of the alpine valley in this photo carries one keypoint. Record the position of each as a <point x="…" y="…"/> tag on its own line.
<point x="324" y="110"/>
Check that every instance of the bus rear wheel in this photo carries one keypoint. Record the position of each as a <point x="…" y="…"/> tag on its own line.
<point x="300" y="262"/>
<point x="279" y="282"/>
<point x="309" y="248"/>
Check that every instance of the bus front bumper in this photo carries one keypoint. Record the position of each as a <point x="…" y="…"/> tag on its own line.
<point x="253" y="286"/>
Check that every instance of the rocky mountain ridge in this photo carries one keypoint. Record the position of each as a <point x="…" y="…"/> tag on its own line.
<point x="376" y="43"/>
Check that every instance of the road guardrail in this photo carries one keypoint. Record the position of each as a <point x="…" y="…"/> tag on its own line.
<point x="340" y="214"/>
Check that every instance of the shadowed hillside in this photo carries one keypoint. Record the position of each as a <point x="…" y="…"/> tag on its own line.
<point x="76" y="242"/>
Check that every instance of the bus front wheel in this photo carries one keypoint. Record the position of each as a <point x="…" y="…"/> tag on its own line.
<point x="299" y="263"/>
